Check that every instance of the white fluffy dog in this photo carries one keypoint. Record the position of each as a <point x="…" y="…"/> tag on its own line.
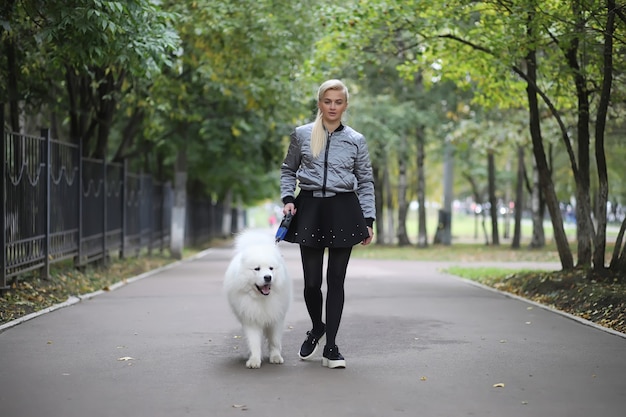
<point x="259" y="292"/>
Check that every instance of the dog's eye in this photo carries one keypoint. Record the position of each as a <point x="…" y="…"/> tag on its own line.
<point x="258" y="268"/>
<point x="271" y="268"/>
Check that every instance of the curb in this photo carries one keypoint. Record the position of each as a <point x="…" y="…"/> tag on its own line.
<point x="542" y="306"/>
<point x="77" y="299"/>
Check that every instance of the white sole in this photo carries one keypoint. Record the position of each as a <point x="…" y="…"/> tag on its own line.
<point x="341" y="363"/>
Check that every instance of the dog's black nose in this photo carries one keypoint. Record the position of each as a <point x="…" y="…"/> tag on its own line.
<point x="267" y="278"/>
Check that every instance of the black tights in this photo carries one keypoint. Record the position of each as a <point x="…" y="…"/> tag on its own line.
<point x="312" y="264"/>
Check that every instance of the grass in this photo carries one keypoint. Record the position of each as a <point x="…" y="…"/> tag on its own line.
<point x="460" y="252"/>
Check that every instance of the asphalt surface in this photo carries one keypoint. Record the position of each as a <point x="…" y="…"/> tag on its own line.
<point x="417" y="342"/>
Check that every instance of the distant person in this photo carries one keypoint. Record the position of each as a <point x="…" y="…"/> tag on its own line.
<point x="334" y="209"/>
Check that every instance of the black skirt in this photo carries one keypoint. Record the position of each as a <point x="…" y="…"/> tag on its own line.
<point x="327" y="222"/>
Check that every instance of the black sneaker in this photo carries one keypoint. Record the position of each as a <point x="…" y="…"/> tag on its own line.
<point x="309" y="347"/>
<point x="332" y="358"/>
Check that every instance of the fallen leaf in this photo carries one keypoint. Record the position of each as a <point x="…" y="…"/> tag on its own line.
<point x="423" y="378"/>
<point x="498" y="385"/>
<point x="125" y="358"/>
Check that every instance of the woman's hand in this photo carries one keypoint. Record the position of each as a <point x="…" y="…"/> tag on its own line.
<point x="368" y="239"/>
<point x="289" y="208"/>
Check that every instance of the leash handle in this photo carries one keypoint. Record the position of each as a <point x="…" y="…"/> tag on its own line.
<point x="284" y="226"/>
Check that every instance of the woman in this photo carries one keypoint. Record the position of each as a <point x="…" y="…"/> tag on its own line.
<point x="334" y="209"/>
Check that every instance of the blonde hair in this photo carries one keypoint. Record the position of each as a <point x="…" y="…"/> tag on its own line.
<point x="318" y="135"/>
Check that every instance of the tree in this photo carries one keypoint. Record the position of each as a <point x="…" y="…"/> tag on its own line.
<point x="96" y="50"/>
<point x="236" y="94"/>
<point x="522" y="44"/>
<point x="376" y="55"/>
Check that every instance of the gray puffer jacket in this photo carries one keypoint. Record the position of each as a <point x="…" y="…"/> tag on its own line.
<point x="343" y="166"/>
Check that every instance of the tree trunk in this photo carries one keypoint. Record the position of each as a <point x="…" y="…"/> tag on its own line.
<point x="227" y="216"/>
<point x="403" y="205"/>
<point x="179" y="209"/>
<point x="71" y="87"/>
<point x="388" y="238"/>
<point x="12" y="87"/>
<point x="506" y="234"/>
<point x="519" y="200"/>
<point x="538" y="239"/>
<point x="483" y="225"/>
<point x="129" y="134"/>
<point x="603" y="182"/>
<point x="79" y="97"/>
<point x="422" y="234"/>
<point x="493" y="202"/>
<point x="443" y="235"/>
<point x="105" y="111"/>
<point x="545" y="179"/>
<point x="378" y="192"/>
<point x="618" y="260"/>
<point x="584" y="225"/>
<point x="479" y="203"/>
<point x="104" y="115"/>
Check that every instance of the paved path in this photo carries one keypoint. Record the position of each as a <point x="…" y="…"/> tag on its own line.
<point x="418" y="342"/>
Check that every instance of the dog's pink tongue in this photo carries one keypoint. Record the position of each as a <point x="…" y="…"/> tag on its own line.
<point x="265" y="289"/>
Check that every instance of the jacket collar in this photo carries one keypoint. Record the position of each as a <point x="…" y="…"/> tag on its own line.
<point x="339" y="128"/>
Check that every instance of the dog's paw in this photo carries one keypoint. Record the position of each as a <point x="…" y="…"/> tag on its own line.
<point x="276" y="358"/>
<point x="253" y="363"/>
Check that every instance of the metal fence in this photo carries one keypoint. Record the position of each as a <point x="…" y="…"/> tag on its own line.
<point x="60" y="206"/>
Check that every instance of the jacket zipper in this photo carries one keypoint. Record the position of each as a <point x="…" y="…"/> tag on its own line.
<point x="326" y="162"/>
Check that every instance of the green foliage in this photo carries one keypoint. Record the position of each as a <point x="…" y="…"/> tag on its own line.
<point x="481" y="48"/>
<point x="76" y="61"/>
<point x="134" y="35"/>
<point x="229" y="80"/>
<point x="236" y="93"/>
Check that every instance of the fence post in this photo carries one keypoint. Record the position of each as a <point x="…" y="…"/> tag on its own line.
<point x="45" y="272"/>
<point x="3" y="245"/>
